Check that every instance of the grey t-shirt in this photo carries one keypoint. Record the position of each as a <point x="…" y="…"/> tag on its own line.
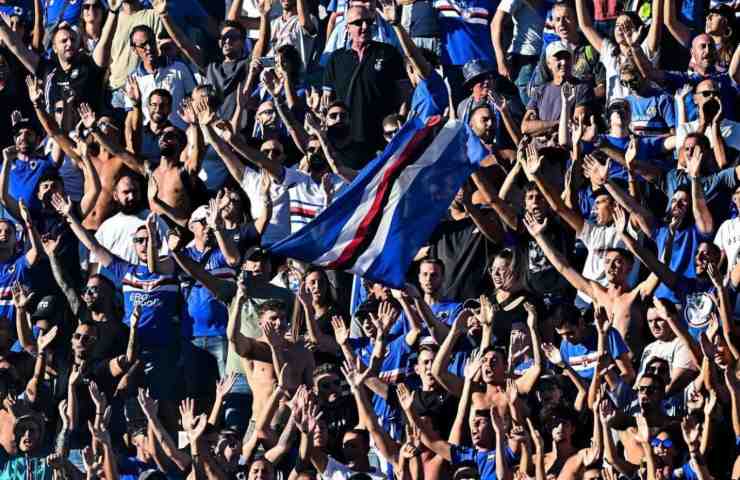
<point x="546" y="99"/>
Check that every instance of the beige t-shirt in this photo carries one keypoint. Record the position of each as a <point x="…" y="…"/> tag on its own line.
<point x="123" y="57"/>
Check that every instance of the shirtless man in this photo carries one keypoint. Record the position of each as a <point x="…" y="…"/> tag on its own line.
<point x="263" y="357"/>
<point x="174" y="179"/>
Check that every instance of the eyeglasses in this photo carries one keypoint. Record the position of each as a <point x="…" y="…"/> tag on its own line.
<point x="84" y="338"/>
<point x="90" y="6"/>
<point x="202" y="221"/>
<point x="59" y="110"/>
<point x="140" y="240"/>
<point x="666" y="443"/>
<point x="708" y="93"/>
<point x="368" y="22"/>
<point x="91" y="290"/>
<point x="231" y="37"/>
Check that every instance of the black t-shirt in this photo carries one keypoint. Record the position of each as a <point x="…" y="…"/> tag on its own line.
<point x="466" y="254"/>
<point x="541" y="277"/>
<point x="84" y="79"/>
<point x="225" y="78"/>
<point x="369" y="88"/>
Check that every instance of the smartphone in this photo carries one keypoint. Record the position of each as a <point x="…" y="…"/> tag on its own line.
<point x="267" y="62"/>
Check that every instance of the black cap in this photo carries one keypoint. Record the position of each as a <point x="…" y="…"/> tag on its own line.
<point x="256" y="254"/>
<point x="724" y="10"/>
<point x="47" y="308"/>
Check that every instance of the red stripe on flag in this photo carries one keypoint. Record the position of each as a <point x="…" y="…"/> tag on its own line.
<point x="412" y="149"/>
<point x="303" y="212"/>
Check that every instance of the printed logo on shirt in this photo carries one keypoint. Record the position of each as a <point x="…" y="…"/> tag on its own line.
<point x="699" y="307"/>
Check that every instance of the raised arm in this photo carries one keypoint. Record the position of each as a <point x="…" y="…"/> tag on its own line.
<point x="459" y="431"/>
<point x="411" y="52"/>
<point x="526" y="382"/>
<point x="585" y="23"/>
<point x="450" y="382"/>
<point x="233" y="164"/>
<point x="183" y="42"/>
<point x="333" y="157"/>
<point x="150" y="409"/>
<point x="244" y="346"/>
<point x="702" y="215"/>
<point x="553" y="356"/>
<point x="64" y="207"/>
<point x="102" y="53"/>
<point x="134" y="123"/>
<point x="656" y="26"/>
<point x="88" y="117"/>
<point x="735" y="65"/>
<point x="680" y="32"/>
<point x="506" y="212"/>
<point x="14" y="43"/>
<point x="37" y="34"/>
<point x="76" y="305"/>
<point x="497" y="30"/>
<point x="295" y="129"/>
<point x="437" y="445"/>
<point x="556" y="258"/>
<point x="10" y="203"/>
<point x="93" y="187"/>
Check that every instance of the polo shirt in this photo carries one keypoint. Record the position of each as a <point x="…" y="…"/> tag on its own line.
<point x="85" y="79"/>
<point x="24" y="178"/>
<point x="175" y="77"/>
<point x="373" y="93"/>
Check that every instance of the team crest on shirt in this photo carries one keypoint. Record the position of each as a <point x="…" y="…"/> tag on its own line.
<point x="651" y="111"/>
<point x="698" y="309"/>
<point x="378" y="64"/>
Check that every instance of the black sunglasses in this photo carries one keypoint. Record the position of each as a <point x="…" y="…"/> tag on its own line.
<point x="230" y="36"/>
<point x="360" y="21"/>
<point x="708" y="93"/>
<point x="139" y="240"/>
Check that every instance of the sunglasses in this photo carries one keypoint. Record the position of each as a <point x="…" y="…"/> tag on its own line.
<point x="656" y="442"/>
<point x="389" y="133"/>
<point x="90" y="6"/>
<point x="368" y="22"/>
<point x="59" y="110"/>
<point x="93" y="290"/>
<point x="708" y="93"/>
<point x="649" y="389"/>
<point x="269" y="151"/>
<point x="268" y="111"/>
<point x="231" y="37"/>
<point x="84" y="338"/>
<point x="140" y="240"/>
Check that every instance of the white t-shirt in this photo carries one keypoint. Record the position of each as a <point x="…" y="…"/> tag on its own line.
<point x="290" y="32"/>
<point x="609" y="57"/>
<point x="596" y="238"/>
<point x="528" y="25"/>
<point x="674" y="352"/>
<point x="728" y="239"/>
<point x="338" y="471"/>
<point x="295" y="201"/>
<point x="117" y="232"/>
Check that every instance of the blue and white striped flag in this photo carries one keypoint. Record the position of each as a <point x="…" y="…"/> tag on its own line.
<point x="378" y="223"/>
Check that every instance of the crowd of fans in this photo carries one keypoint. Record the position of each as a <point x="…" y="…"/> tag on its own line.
<point x="574" y="316"/>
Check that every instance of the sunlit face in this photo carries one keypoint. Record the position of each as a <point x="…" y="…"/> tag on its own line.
<point x="368" y="327"/>
<point x="360" y="22"/>
<point x="626" y="25"/>
<point x="26" y="141"/>
<point x="483" y="124"/>
<point x="663" y="447"/>
<point x="715" y="24"/>
<point x="483" y="87"/>
<point x="658" y="326"/>
<point x="126" y="194"/>
<point x="231" y="205"/>
<point x="92" y="12"/>
<point x="565" y="21"/>
<point x="706" y="90"/>
<point x="64" y="44"/>
<point x="430" y="277"/>
<point x="616" y="266"/>
<point x="481" y="430"/>
<point x="705" y="255"/>
<point x="722" y="353"/>
<point x="502" y="273"/>
<point x="232" y="42"/>
<point x="276" y="319"/>
<point x="83" y="340"/>
<point x="144" y="46"/>
<point x="7" y="235"/>
<point x="141" y="241"/>
<point x="493" y="367"/>
<point x="95" y="291"/>
<point x="273" y="150"/>
<point x="603" y="209"/>
<point x="535" y="204"/>
<point x="561" y="430"/>
<point x="261" y="470"/>
<point x="423" y="368"/>
<point x="703" y="51"/>
<point x="29" y="437"/>
<point x="160" y="108"/>
<point x="317" y="286"/>
<point x="328" y="388"/>
<point x="560" y="64"/>
<point x="337" y="115"/>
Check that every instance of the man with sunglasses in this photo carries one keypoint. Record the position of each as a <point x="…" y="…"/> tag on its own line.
<point x="652" y="111"/>
<point x="365" y="77"/>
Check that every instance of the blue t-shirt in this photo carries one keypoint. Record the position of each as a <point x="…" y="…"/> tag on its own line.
<point x="583" y="356"/>
<point x="429" y="98"/>
<point x="718" y="188"/>
<point x="464" y="25"/>
<point x="16" y="269"/>
<point x="685" y="243"/>
<point x="158" y="296"/>
<point x="485" y="459"/>
<point x="697" y="298"/>
<point x="446" y="312"/>
<point x="206" y="315"/>
<point x="653" y="113"/>
<point x="24" y="178"/>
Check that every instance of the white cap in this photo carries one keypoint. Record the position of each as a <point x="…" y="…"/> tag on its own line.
<point x="556" y="47"/>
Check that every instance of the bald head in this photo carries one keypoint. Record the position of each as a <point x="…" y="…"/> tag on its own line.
<point x="703" y="53"/>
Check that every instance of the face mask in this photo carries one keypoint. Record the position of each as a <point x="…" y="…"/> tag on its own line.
<point x="338" y="131"/>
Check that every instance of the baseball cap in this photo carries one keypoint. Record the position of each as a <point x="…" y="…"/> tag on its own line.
<point x="556" y="47"/>
<point x="47" y="308"/>
<point x="256" y="254"/>
<point x="200" y="213"/>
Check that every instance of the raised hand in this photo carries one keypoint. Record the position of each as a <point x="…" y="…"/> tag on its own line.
<point x="387" y="316"/>
<point x="341" y="332"/>
<point x="693" y="163"/>
<point x="533" y="161"/>
<point x="214" y="219"/>
<point x="224" y="386"/>
<point x="62" y="407"/>
<point x="642" y="434"/>
<point x="21" y="295"/>
<point x="567" y="94"/>
<point x="24" y="212"/>
<point x="159" y="7"/>
<point x="578" y="128"/>
<point x="271" y="82"/>
<point x="149" y="406"/>
<point x="87" y="115"/>
<point x="531" y="315"/>
<point x="497" y="421"/>
<point x="10" y="153"/>
<point x="405" y="396"/>
<point x="133" y="92"/>
<point x="539" y="443"/>
<point x="313" y="99"/>
<point x="691" y="431"/>
<point x="391" y="12"/>
<point x="61" y="204"/>
<point x="35" y="89"/>
<point x="552" y="353"/>
<point x="534" y="226"/>
<point x="203" y="111"/>
<point x="273" y="337"/>
<point x="631" y="154"/>
<point x="620" y="220"/>
<point x="50" y="244"/>
<point x="473" y="368"/>
<point x="187" y="412"/>
<point x="500" y="102"/>
<point x="197" y="427"/>
<point x="596" y="171"/>
<point x="46" y="338"/>
<point x="187" y="111"/>
<point x="75" y="376"/>
<point x="488" y="311"/>
<point x="99" y="432"/>
<point x="602" y="320"/>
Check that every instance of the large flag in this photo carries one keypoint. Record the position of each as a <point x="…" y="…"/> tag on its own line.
<point x="376" y="225"/>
